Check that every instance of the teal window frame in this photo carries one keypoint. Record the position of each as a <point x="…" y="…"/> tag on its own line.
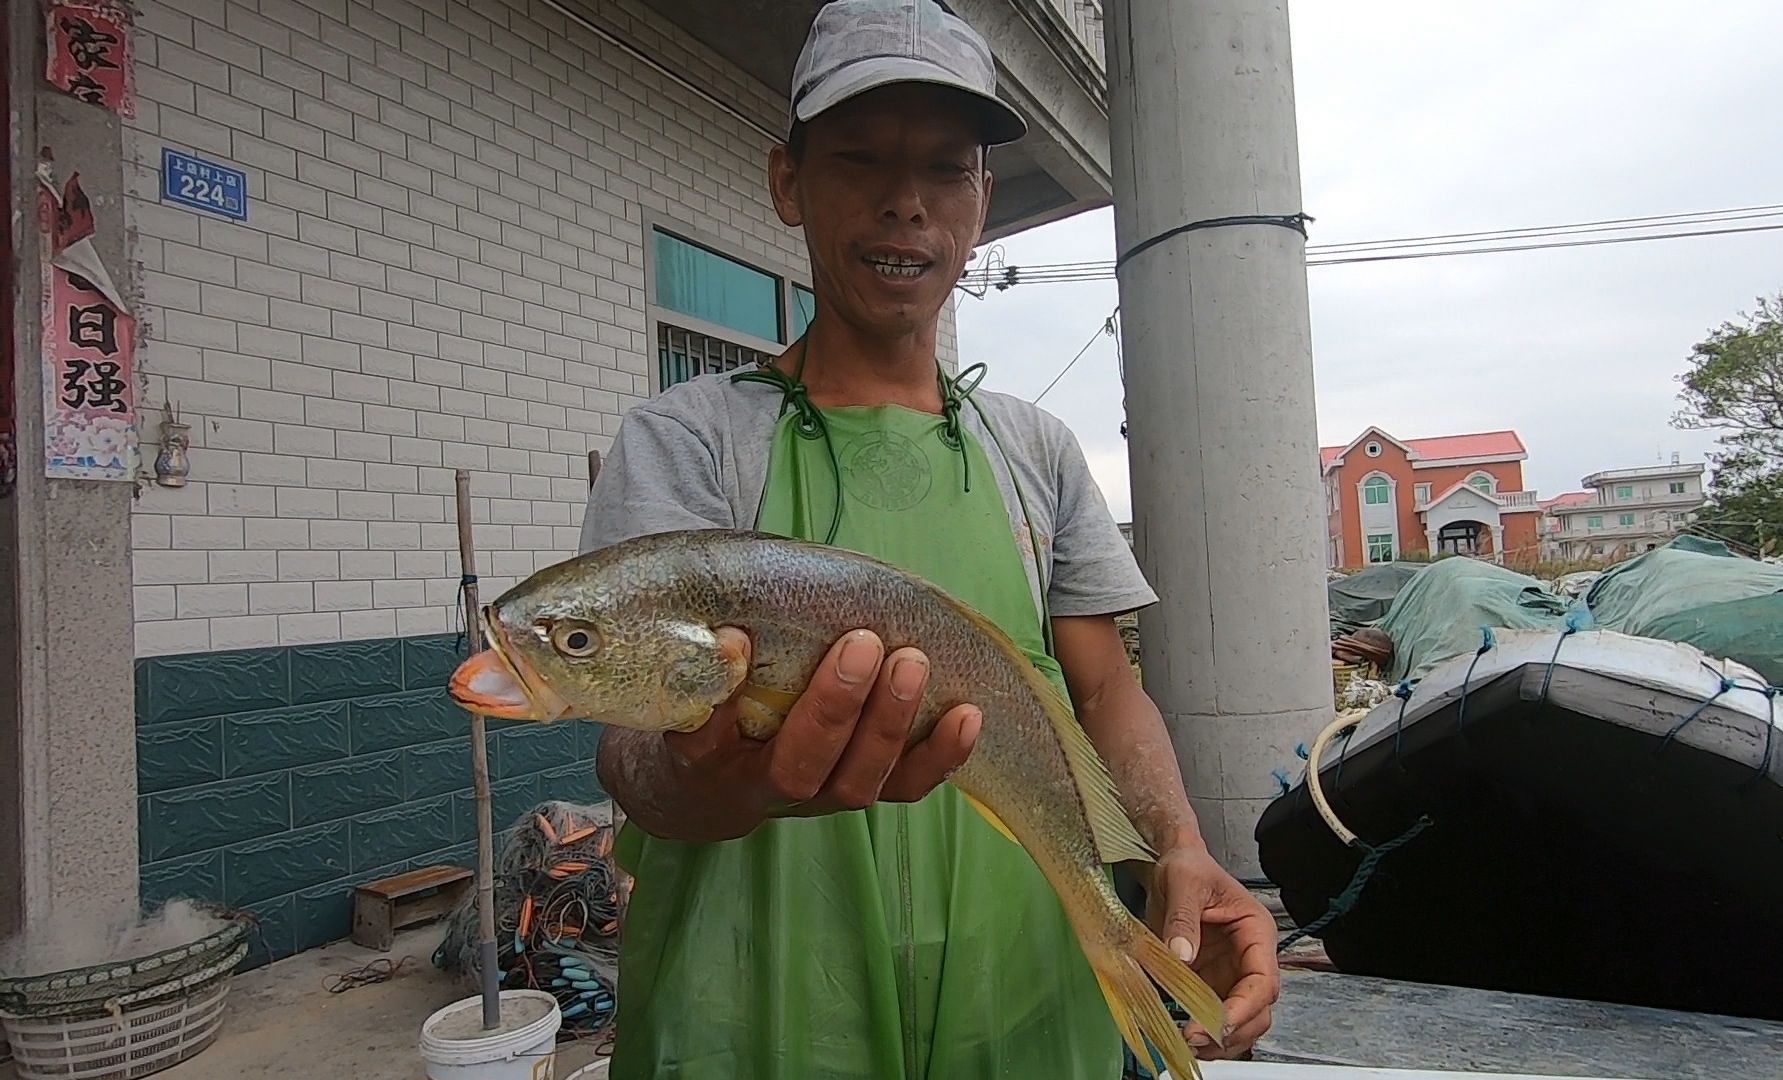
<point x="1481" y="482"/>
<point x="704" y="297"/>
<point x="1377" y="484"/>
<point x="1677" y="487"/>
<point x="1380" y="547"/>
<point x="1595" y="521"/>
<point x="1625" y="519"/>
<point x="1624" y="491"/>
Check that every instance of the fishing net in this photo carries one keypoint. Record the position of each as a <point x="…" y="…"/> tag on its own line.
<point x="559" y="902"/>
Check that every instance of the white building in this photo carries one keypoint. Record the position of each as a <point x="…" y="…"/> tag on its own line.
<point x="470" y="235"/>
<point x="1624" y="511"/>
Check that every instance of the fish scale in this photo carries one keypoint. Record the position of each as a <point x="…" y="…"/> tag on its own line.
<point x="654" y="603"/>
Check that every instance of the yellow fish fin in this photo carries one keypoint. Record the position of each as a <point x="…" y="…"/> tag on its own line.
<point x="1140" y="1017"/>
<point x="761" y="711"/>
<point x="1116" y="839"/>
<point x="996" y="822"/>
<point x="1180" y="981"/>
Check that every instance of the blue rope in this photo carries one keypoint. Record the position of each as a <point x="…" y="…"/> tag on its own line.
<point x="1548" y="679"/>
<point x="1726" y="685"/>
<point x="1404" y="693"/>
<point x="1771" y="693"/>
<point x="1487" y="641"/>
<point x="1344" y="901"/>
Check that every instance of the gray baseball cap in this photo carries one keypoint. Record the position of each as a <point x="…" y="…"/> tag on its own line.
<point x="858" y="45"/>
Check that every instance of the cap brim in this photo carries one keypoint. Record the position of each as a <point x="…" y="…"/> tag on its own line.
<point x="1000" y="123"/>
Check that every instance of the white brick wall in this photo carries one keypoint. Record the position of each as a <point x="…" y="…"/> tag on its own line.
<point x="443" y="268"/>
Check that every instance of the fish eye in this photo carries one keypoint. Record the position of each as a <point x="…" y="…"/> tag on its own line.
<point x="575" y="640"/>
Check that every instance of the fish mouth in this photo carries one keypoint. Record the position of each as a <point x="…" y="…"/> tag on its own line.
<point x="500" y="684"/>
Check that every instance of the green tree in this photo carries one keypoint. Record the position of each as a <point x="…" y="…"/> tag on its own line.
<point x="1734" y="385"/>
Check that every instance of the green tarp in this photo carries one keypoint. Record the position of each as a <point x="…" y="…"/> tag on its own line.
<point x="1364" y="596"/>
<point x="1698" y="591"/>
<point x="1692" y="590"/>
<point x="1439" y="614"/>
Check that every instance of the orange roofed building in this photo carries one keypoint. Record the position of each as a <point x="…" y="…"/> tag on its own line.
<point x="1387" y="497"/>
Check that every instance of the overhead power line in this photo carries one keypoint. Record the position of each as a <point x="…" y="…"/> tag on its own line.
<point x="1107" y="327"/>
<point x="1768" y="218"/>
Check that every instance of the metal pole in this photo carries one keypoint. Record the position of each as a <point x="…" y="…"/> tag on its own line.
<point x="1222" y="439"/>
<point x="473" y="633"/>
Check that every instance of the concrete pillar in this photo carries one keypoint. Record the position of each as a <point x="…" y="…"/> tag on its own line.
<point x="1228" y="514"/>
<point x="67" y="689"/>
<point x="1498" y="544"/>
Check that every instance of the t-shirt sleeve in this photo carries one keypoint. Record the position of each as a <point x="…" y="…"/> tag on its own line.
<point x="660" y="476"/>
<point x="1093" y="568"/>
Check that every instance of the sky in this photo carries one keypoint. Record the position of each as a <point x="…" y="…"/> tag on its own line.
<point x="1419" y="119"/>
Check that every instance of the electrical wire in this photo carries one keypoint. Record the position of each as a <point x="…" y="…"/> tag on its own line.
<point x="1107" y="327"/>
<point x="1477" y="243"/>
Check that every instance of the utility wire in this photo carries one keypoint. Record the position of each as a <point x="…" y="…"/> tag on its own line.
<point x="1107" y="327"/>
<point x="1540" y="238"/>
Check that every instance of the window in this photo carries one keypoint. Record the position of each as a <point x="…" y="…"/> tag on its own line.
<point x="1422" y="492"/>
<point x="804" y="309"/>
<point x="714" y="312"/>
<point x="1380" y="547"/>
<point x="1676" y="487"/>
<point x="716" y="288"/>
<point x="1595" y="521"/>
<point x="1373" y="449"/>
<point x="1625" y="519"/>
<point x="1625" y="491"/>
<point x="1376" y="491"/>
<point x="682" y="354"/>
<point x="1480" y="482"/>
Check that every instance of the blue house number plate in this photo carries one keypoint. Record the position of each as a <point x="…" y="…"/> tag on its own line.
<point x="203" y="185"/>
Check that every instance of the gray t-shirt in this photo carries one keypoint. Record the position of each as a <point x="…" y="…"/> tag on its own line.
<point x="696" y="457"/>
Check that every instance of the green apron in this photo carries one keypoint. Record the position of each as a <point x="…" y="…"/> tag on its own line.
<point x="902" y="942"/>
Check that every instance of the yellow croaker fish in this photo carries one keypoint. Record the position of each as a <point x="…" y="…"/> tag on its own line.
<point x="625" y="636"/>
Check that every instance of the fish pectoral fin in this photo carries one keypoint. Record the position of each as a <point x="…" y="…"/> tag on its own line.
<point x="780" y="701"/>
<point x="761" y="710"/>
<point x="996" y="822"/>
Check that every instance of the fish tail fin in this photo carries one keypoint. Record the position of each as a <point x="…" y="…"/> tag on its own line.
<point x="1140" y="1017"/>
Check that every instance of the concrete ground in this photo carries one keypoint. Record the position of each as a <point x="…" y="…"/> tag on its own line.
<point x="281" y="1022"/>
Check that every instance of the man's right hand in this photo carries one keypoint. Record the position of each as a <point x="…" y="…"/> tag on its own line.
<point x="840" y="748"/>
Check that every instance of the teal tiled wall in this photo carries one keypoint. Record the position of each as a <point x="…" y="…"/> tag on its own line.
<point x="276" y="779"/>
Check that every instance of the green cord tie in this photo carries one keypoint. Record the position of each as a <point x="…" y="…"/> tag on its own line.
<point x="954" y="393"/>
<point x="809" y="423"/>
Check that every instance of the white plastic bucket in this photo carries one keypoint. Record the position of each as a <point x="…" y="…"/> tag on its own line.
<point x="523" y="1046"/>
<point x="596" y="1071"/>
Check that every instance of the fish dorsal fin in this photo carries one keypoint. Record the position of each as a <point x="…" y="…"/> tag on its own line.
<point x="1116" y="839"/>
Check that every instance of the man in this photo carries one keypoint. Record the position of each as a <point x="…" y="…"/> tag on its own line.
<point x="818" y="905"/>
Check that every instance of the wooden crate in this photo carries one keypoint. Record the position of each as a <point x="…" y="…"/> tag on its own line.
<point x="381" y="908"/>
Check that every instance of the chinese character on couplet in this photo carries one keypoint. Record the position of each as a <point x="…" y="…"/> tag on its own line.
<point x="94" y="326"/>
<point x="88" y="46"/>
<point x="87" y="88"/>
<point x="93" y="384"/>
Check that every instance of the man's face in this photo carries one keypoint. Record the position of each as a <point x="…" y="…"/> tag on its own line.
<point x="892" y="192"/>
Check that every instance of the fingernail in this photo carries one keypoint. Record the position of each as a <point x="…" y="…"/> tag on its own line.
<point x="1200" y="1039"/>
<point x="970" y="725"/>
<point x="860" y="655"/>
<point x="1183" y="950"/>
<point x="907" y="677"/>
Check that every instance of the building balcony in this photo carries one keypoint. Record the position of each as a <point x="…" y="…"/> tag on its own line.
<point x="1687" y="499"/>
<point x="1508" y="500"/>
<point x="1618" y="532"/>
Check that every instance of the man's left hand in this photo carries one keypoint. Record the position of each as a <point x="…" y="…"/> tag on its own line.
<point x="1196" y="907"/>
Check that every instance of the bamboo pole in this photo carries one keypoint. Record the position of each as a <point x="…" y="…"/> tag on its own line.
<point x="473" y="632"/>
